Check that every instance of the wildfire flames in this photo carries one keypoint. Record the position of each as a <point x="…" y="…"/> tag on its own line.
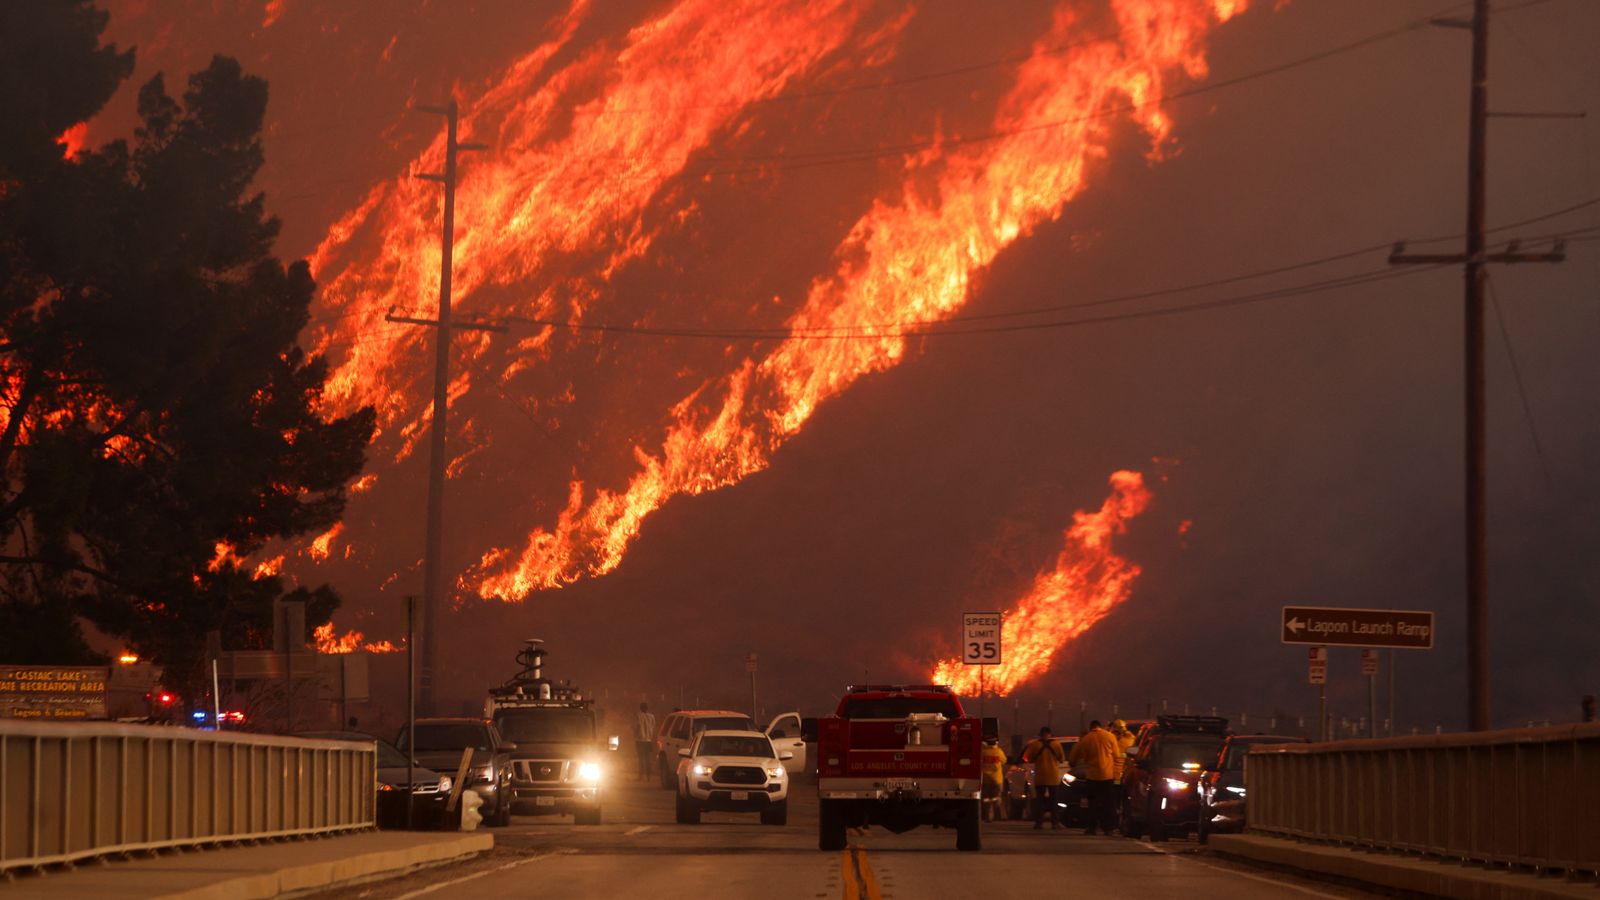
<point x="350" y="642"/>
<point x="1087" y="582"/>
<point x="579" y="184"/>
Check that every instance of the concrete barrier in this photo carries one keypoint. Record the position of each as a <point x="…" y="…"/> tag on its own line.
<point x="70" y="791"/>
<point x="1524" y="798"/>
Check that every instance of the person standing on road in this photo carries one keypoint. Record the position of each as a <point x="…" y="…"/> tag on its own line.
<point x="1125" y="739"/>
<point x="1047" y="756"/>
<point x="644" y="739"/>
<point x="1096" y="753"/>
<point x="994" y="775"/>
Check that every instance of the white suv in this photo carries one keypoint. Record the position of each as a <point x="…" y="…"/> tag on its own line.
<point x="733" y="771"/>
<point x="678" y="731"/>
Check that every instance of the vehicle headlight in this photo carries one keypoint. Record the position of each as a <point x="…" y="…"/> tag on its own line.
<point x="1236" y="790"/>
<point x="701" y="770"/>
<point x="445" y="784"/>
<point x="1068" y="778"/>
<point x="588" y="771"/>
<point x="1176" y="784"/>
<point x="774" y="771"/>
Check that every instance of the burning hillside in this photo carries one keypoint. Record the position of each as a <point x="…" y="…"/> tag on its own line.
<point x="582" y="184"/>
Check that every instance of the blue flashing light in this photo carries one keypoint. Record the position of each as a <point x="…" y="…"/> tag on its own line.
<point x="199" y="716"/>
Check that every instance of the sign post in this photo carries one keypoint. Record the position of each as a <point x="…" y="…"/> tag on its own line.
<point x="1369" y="668"/>
<point x="980" y="645"/>
<point x="750" y="666"/>
<point x="1317" y="674"/>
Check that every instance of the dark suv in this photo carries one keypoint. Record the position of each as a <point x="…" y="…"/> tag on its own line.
<point x="1159" y="785"/>
<point x="441" y="743"/>
<point x="1222" y="796"/>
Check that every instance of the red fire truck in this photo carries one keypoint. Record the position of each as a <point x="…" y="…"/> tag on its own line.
<point x="899" y="756"/>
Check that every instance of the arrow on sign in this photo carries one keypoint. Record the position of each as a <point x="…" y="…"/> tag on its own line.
<point x="1294" y="625"/>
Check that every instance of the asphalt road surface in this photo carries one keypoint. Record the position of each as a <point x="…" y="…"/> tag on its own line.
<point x="640" y="852"/>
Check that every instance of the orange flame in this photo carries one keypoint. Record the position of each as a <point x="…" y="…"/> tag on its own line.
<point x="1088" y="581"/>
<point x="323" y="544"/>
<point x="350" y="642"/>
<point x="73" y="140"/>
<point x="910" y="259"/>
<point x="537" y="196"/>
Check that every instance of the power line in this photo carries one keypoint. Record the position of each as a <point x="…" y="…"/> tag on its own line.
<point x="1516" y="376"/>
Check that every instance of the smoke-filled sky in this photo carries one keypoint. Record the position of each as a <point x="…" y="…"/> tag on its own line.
<point x="800" y="183"/>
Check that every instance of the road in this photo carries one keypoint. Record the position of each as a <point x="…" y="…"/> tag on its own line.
<point x="640" y="852"/>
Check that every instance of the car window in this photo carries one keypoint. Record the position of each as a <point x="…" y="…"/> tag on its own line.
<point x="548" y="725"/>
<point x="680" y="728"/>
<point x="1173" y="751"/>
<point x="449" y="736"/>
<point x="788" y="726"/>
<point x="734" y="745"/>
<point x="724" y="723"/>
<point x="1238" y="749"/>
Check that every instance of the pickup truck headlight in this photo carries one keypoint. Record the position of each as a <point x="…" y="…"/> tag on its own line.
<point x="1176" y="784"/>
<point x="700" y="770"/>
<point x="774" y="771"/>
<point x="588" y="771"/>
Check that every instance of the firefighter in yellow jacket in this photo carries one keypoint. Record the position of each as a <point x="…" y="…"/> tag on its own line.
<point x="1096" y="754"/>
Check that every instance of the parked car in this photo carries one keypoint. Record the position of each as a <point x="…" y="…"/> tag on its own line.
<point x="1159" y="783"/>
<point x="678" y="731"/>
<point x="440" y="744"/>
<point x="1222" y="786"/>
<point x="733" y="771"/>
<point x="430" y="790"/>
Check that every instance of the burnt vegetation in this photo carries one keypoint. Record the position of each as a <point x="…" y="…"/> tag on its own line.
<point x="154" y="403"/>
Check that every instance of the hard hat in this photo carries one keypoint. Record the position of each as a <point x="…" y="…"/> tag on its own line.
<point x="1118" y="723"/>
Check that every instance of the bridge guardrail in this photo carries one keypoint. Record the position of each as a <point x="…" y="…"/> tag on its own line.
<point x="71" y="791"/>
<point x="1524" y="798"/>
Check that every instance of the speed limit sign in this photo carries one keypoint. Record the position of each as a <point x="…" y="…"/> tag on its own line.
<point x="980" y="638"/>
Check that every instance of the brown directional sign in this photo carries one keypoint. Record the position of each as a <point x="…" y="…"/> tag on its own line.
<point x="1399" y="629"/>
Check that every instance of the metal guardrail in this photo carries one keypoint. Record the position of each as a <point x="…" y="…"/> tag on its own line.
<point x="1523" y="798"/>
<point x="70" y="791"/>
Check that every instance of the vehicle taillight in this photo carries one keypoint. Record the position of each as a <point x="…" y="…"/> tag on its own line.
<point x="830" y="747"/>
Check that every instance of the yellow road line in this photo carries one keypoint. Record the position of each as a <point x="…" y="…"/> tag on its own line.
<point x="860" y="882"/>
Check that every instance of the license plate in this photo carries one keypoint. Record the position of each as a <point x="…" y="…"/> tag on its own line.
<point x="741" y="795"/>
<point x="544" y="801"/>
<point x="900" y="784"/>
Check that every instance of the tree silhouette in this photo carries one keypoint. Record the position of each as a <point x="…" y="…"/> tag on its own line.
<point x="155" y="407"/>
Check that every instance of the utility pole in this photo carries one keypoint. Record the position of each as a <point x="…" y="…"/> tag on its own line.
<point x="1474" y="259"/>
<point x="433" y="579"/>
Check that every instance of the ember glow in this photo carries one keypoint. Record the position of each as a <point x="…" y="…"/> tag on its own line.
<point x="910" y="260"/>
<point x="1087" y="582"/>
<point x="349" y="642"/>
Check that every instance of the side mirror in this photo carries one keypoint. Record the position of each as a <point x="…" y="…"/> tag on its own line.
<point x="685" y="753"/>
<point x="785" y="756"/>
<point x="808" y="730"/>
<point x="991" y="728"/>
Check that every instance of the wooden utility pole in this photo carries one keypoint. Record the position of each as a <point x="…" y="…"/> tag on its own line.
<point x="1474" y="259"/>
<point x="433" y="578"/>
